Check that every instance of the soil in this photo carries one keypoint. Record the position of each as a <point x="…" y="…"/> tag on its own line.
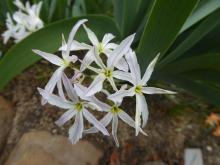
<point x="175" y="123"/>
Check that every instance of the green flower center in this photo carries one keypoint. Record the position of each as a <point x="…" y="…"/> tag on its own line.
<point x="66" y="63"/>
<point x="108" y="73"/>
<point x="78" y="106"/>
<point x="100" y="48"/>
<point x="115" y="109"/>
<point x="138" y="89"/>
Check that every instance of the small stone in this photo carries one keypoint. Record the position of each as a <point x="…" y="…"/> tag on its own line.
<point x="6" y="118"/>
<point x="209" y="148"/>
<point x="54" y="131"/>
<point x="193" y="156"/>
<point x="39" y="147"/>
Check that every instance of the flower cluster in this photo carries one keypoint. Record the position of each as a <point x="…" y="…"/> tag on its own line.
<point x="115" y="64"/>
<point x="23" y="22"/>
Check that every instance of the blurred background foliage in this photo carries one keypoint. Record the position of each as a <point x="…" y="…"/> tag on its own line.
<point x="186" y="33"/>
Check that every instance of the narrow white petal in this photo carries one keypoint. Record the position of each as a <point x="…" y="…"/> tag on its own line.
<point x="114" y="129"/>
<point x="119" y="95"/>
<point x="103" y="106"/>
<point x="107" y="38"/>
<point x="75" y="132"/>
<point x="72" y="35"/>
<point x="95" y="122"/>
<point x="80" y="46"/>
<point x="71" y="93"/>
<point x="63" y="44"/>
<point x="77" y="77"/>
<point x="106" y="92"/>
<point x="134" y="66"/>
<point x="90" y="67"/>
<point x="93" y="101"/>
<point x="142" y="108"/>
<point x="75" y="46"/>
<point x="96" y="85"/>
<point x="92" y="36"/>
<point x="105" y="121"/>
<point x="81" y="91"/>
<point x="120" y="51"/>
<point x="87" y="60"/>
<point x="153" y="90"/>
<point x="63" y="40"/>
<point x="124" y="87"/>
<point x="137" y="115"/>
<point x="55" y="100"/>
<point x="111" y="81"/>
<point x="54" y="79"/>
<point x="54" y="59"/>
<point x="72" y="58"/>
<point x="60" y="89"/>
<point x="97" y="59"/>
<point x="122" y="76"/>
<point x="122" y="65"/>
<point x="110" y="46"/>
<point x="65" y="117"/>
<point x="149" y="70"/>
<point x="126" y="118"/>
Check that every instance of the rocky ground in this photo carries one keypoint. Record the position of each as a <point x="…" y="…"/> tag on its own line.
<point x="29" y="135"/>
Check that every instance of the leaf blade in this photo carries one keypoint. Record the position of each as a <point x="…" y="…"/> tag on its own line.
<point x="163" y="27"/>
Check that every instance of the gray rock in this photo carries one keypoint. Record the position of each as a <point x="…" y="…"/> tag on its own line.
<point x="193" y="156"/>
<point x="6" y="118"/>
<point x="40" y="147"/>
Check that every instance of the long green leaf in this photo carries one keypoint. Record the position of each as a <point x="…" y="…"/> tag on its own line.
<point x="205" y="8"/>
<point x="201" y="89"/>
<point x="130" y="11"/>
<point x="206" y="61"/>
<point x="48" y="39"/>
<point x="196" y="35"/>
<point x="162" y="27"/>
<point x="203" y="75"/>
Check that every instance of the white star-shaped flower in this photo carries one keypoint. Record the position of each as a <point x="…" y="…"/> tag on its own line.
<point x="62" y="63"/>
<point x="23" y="22"/>
<point x="76" y="107"/>
<point x="107" y="71"/>
<point x="139" y="88"/>
<point x="113" y="113"/>
<point x="104" y="47"/>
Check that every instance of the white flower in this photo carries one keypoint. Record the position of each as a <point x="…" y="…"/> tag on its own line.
<point x="139" y="88"/>
<point x="25" y="21"/>
<point x="28" y="16"/>
<point x="62" y="63"/>
<point x="107" y="71"/>
<point x="15" y="31"/>
<point x="104" y="47"/>
<point x="77" y="108"/>
<point x="113" y="113"/>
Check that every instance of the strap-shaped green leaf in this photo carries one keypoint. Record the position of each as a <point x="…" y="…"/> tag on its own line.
<point x="194" y="37"/>
<point x="204" y="8"/>
<point x="129" y="14"/>
<point x="162" y="27"/>
<point x="206" y="61"/>
<point x="207" y="91"/>
<point x="48" y="39"/>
